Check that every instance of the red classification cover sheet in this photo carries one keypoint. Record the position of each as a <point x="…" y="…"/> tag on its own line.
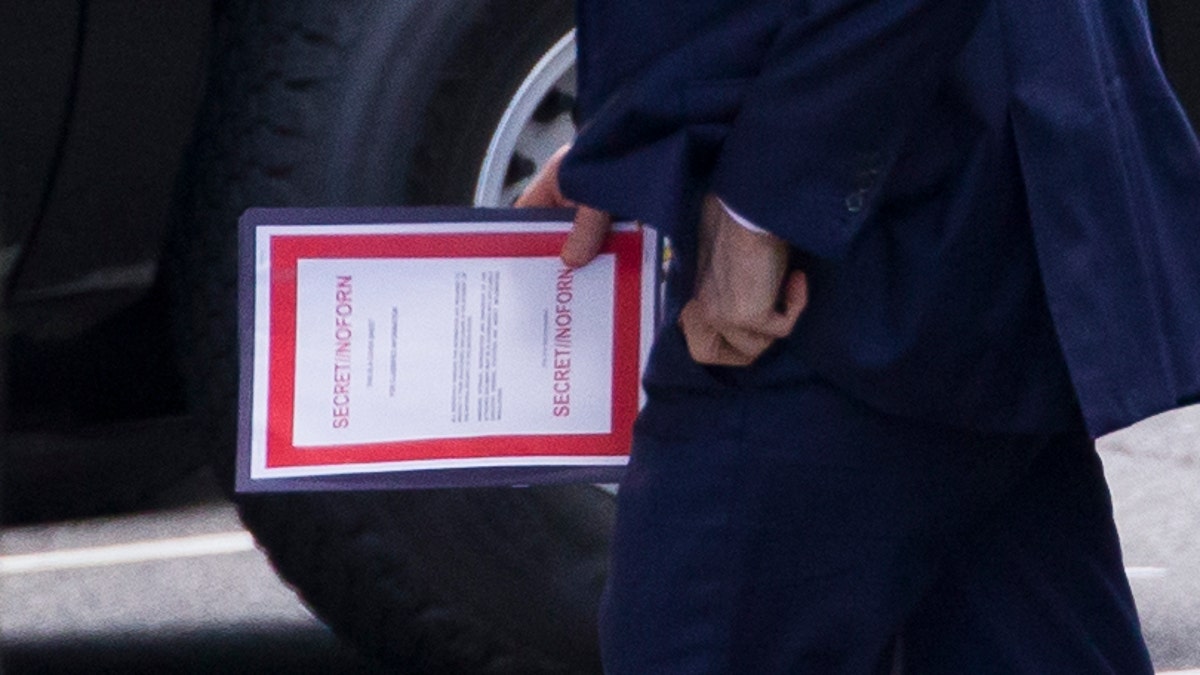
<point x="394" y="348"/>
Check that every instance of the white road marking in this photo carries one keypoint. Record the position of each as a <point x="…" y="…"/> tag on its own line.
<point x="220" y="544"/>
<point x="1145" y="572"/>
<point x="123" y="554"/>
<point x="1195" y="671"/>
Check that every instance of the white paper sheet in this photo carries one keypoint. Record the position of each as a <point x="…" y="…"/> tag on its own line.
<point x="398" y="350"/>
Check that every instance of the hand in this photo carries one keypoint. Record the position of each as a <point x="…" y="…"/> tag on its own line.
<point x="745" y="297"/>
<point x="591" y="226"/>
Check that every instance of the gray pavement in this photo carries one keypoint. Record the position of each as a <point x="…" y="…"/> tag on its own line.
<point x="181" y="590"/>
<point x="117" y="599"/>
<point x="1153" y="471"/>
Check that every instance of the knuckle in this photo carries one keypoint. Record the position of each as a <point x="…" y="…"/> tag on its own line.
<point x="699" y="353"/>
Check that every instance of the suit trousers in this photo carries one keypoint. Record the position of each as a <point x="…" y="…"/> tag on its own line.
<point x="791" y="529"/>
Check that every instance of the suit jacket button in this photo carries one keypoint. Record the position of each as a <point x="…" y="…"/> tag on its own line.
<point x="856" y="201"/>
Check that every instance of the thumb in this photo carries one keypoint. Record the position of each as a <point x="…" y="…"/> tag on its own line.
<point x="586" y="237"/>
<point x="795" y="297"/>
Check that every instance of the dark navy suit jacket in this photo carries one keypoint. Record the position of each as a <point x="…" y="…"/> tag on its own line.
<point x="997" y="201"/>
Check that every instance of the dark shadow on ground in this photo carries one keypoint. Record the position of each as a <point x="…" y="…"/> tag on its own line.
<point x="228" y="649"/>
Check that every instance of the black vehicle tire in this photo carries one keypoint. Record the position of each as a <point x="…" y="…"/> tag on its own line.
<point x="110" y="446"/>
<point x="320" y="102"/>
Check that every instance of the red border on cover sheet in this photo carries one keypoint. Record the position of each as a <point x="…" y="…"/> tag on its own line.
<point x="287" y="250"/>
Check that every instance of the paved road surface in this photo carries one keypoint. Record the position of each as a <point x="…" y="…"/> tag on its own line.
<point x="1154" y="472"/>
<point x="182" y="589"/>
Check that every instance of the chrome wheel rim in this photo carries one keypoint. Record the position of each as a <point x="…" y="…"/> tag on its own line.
<point x="536" y="122"/>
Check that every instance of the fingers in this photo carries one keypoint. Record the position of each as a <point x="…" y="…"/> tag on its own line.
<point x="586" y="237"/>
<point x="543" y="190"/>
<point x="713" y="340"/>
<point x="706" y="345"/>
<point x="591" y="226"/>
<point x="540" y="194"/>
<point x="748" y="344"/>
<point x="793" y="300"/>
<point x="725" y="346"/>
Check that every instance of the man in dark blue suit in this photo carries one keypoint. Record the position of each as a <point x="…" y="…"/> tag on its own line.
<point x="926" y="250"/>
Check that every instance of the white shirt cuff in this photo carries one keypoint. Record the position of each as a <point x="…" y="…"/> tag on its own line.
<point x="741" y="220"/>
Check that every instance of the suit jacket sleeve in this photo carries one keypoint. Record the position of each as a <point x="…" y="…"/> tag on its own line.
<point x="791" y="112"/>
